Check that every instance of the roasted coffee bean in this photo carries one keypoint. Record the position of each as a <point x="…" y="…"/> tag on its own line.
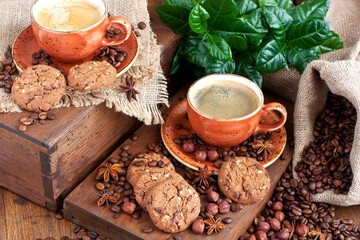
<point x="177" y="237"/>
<point x="93" y="234"/>
<point x="22" y="128"/>
<point x="141" y="25"/>
<point x="227" y="220"/>
<point x="147" y="230"/>
<point x="59" y="216"/>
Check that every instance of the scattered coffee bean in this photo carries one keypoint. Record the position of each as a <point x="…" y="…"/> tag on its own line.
<point x="177" y="237"/>
<point x="141" y="25"/>
<point x="59" y="216"/>
<point x="137" y="33"/>
<point x="227" y="220"/>
<point x="22" y="128"/>
<point x="134" y="137"/>
<point x="147" y="230"/>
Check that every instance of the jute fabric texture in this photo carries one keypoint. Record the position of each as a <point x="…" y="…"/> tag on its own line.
<point x="150" y="81"/>
<point x="345" y="21"/>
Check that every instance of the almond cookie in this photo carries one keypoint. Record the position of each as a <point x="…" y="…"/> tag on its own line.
<point x="147" y="163"/>
<point x="173" y="205"/>
<point x="244" y="180"/>
<point x="91" y="76"/>
<point x="149" y="179"/>
<point x="39" y="88"/>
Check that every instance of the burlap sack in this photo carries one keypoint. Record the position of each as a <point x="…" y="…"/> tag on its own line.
<point x="341" y="78"/>
<point x="345" y="20"/>
<point x="15" y="17"/>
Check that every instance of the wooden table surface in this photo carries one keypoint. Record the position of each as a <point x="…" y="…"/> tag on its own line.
<point x="21" y="219"/>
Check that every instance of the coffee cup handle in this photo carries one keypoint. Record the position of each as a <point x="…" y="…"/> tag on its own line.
<point x="272" y="127"/>
<point x="124" y="25"/>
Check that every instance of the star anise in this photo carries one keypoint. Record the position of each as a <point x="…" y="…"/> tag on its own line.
<point x="317" y="234"/>
<point x="214" y="225"/>
<point x="290" y="228"/>
<point x="105" y="197"/>
<point x="129" y="88"/>
<point x="110" y="170"/>
<point x="203" y="176"/>
<point x="265" y="147"/>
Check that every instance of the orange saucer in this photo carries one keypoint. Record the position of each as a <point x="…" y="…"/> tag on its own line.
<point x="25" y="45"/>
<point x="176" y="115"/>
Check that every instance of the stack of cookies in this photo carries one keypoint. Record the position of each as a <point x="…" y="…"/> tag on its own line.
<point x="171" y="202"/>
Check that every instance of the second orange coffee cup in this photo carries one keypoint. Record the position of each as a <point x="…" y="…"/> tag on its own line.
<point x="72" y="46"/>
<point x="225" y="109"/>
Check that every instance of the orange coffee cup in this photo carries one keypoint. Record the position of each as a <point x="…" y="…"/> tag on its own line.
<point x="80" y="45"/>
<point x="230" y="132"/>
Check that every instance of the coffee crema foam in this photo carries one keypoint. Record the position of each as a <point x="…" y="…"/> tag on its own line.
<point x="70" y="15"/>
<point x="226" y="100"/>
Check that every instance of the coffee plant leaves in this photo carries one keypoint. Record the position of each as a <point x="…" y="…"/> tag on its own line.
<point x="218" y="47"/>
<point x="245" y="7"/>
<point x="272" y="57"/>
<point x="245" y="67"/>
<point x="267" y="3"/>
<point x="311" y="9"/>
<point x="217" y="66"/>
<point x="176" y="63"/>
<point x="299" y="58"/>
<point x="198" y="19"/>
<point x="196" y="51"/>
<point x="308" y="34"/>
<point x="278" y="20"/>
<point x="222" y="13"/>
<point x="184" y="3"/>
<point x="176" y="17"/>
<point x="332" y="42"/>
<point x="236" y="42"/>
<point x="287" y="5"/>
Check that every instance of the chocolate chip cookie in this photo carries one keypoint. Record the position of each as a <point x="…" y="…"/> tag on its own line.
<point x="147" y="163"/>
<point x="244" y="180"/>
<point x="173" y="205"/>
<point x="39" y="88"/>
<point x="91" y="76"/>
<point x="149" y="179"/>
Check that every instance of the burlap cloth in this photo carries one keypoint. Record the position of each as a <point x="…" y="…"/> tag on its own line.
<point x="341" y="78"/>
<point x="344" y="16"/>
<point x="15" y="17"/>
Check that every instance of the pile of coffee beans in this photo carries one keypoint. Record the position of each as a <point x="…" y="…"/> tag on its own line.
<point x="81" y="234"/>
<point x="42" y="118"/>
<point x="7" y="70"/>
<point x="325" y="162"/>
<point x="113" y="55"/>
<point x="192" y="144"/>
<point x="42" y="58"/>
<point x="292" y="214"/>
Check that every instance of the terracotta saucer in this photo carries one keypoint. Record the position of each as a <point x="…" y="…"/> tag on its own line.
<point x="25" y="45"/>
<point x="176" y="115"/>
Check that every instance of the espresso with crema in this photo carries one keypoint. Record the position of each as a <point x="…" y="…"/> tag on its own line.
<point x="225" y="100"/>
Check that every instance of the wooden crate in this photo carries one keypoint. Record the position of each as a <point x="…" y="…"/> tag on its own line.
<point x="45" y="163"/>
<point x="81" y="208"/>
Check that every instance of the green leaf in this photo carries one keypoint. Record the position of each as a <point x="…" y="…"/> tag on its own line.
<point x="218" y="47"/>
<point x="175" y="17"/>
<point x="236" y="42"/>
<point x="308" y="34"/>
<point x="285" y="4"/>
<point x="176" y="63"/>
<point x="217" y="66"/>
<point x="245" y="7"/>
<point x="300" y="58"/>
<point x="184" y="3"/>
<point x="311" y="9"/>
<point x="198" y="19"/>
<point x="222" y="13"/>
<point x="272" y="57"/>
<point x="278" y="20"/>
<point x="196" y="51"/>
<point x="332" y="42"/>
<point x="267" y="3"/>
<point x="245" y="67"/>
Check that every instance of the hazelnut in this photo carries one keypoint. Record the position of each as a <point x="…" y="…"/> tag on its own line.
<point x="188" y="147"/>
<point x="275" y="224"/>
<point x="251" y="237"/>
<point x="213" y="155"/>
<point x="283" y="235"/>
<point x="212" y="208"/>
<point x="277" y="206"/>
<point x="224" y="207"/>
<point x="213" y="196"/>
<point x="302" y="230"/>
<point x="279" y="216"/>
<point x="200" y="156"/>
<point x="128" y="208"/>
<point x="261" y="235"/>
<point x="198" y="226"/>
<point x="263" y="226"/>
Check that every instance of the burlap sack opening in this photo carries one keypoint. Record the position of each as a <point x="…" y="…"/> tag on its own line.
<point x="320" y="77"/>
<point x="15" y="17"/>
<point x="345" y="20"/>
